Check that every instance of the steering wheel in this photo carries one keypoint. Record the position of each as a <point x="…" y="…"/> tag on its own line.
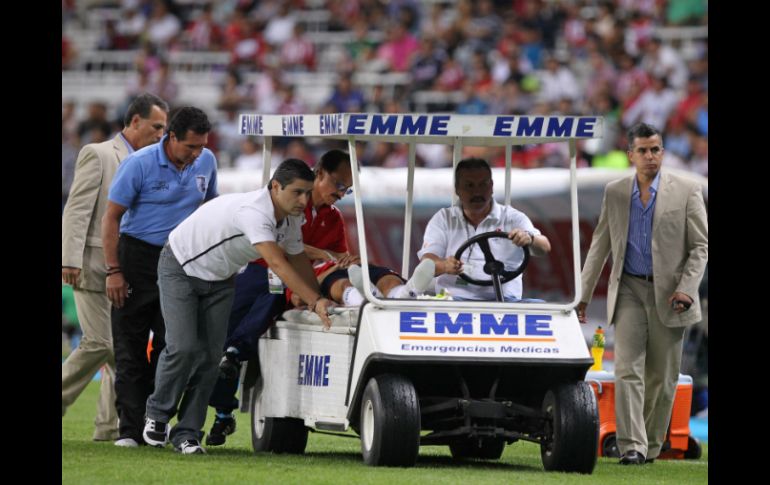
<point x="492" y="266"/>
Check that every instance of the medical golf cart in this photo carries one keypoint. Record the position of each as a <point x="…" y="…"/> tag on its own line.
<point x="471" y="375"/>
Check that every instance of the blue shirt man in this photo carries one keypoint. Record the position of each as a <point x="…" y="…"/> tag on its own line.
<point x="157" y="194"/>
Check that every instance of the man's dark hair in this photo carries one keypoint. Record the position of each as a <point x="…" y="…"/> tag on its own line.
<point x="331" y="160"/>
<point x="188" y="118"/>
<point x="142" y="106"/>
<point x="289" y="170"/>
<point x="641" y="130"/>
<point x="471" y="164"/>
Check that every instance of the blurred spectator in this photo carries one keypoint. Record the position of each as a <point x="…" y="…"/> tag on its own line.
<point x="452" y="76"/>
<point x="638" y="33"/>
<point x="663" y="60"/>
<point x="95" y="128"/>
<point x="426" y="64"/>
<point x="557" y="82"/>
<point x="251" y="155"/>
<point x="247" y="46"/>
<point x="131" y="26"/>
<point x="345" y="98"/>
<point x="162" y="26"/>
<point x="162" y="84"/>
<point x="654" y="106"/>
<point x="678" y="140"/>
<point x="68" y="53"/>
<point x="361" y="49"/>
<point x="229" y="137"/>
<point x="399" y="48"/>
<point x="235" y="95"/>
<point x="473" y="104"/>
<point x="280" y="25"/>
<point x="700" y="156"/>
<point x="203" y="33"/>
<point x="297" y="53"/>
<point x="691" y="102"/>
<point x="288" y="102"/>
<point x="111" y="39"/>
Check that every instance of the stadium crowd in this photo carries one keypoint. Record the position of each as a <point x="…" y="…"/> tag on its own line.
<point x="625" y="60"/>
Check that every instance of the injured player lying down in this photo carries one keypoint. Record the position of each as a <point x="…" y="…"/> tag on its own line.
<point x="346" y="285"/>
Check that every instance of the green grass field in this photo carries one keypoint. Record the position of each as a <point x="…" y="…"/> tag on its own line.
<point x="328" y="459"/>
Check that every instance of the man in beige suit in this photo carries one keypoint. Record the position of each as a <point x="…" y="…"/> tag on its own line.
<point x="83" y="260"/>
<point x="654" y="224"/>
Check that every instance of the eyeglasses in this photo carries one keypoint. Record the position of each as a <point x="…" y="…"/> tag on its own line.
<point x="345" y="189"/>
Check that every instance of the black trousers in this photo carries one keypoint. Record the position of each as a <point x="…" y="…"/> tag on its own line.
<point x="131" y="325"/>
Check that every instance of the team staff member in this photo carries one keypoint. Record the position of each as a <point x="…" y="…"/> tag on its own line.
<point x="83" y="258"/>
<point x="255" y="306"/>
<point x="153" y="190"/>
<point x="654" y="223"/>
<point x="477" y="213"/>
<point x="196" y="280"/>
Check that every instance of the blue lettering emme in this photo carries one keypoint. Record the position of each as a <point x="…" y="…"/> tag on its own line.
<point x="538" y="325"/>
<point x="464" y="323"/>
<point x="413" y="322"/>
<point x="508" y="325"/>
<point x="438" y="126"/>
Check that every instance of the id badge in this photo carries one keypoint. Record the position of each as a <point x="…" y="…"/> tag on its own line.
<point x="274" y="282"/>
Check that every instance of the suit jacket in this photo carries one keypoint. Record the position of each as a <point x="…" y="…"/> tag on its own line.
<point x="679" y="244"/>
<point x="81" y="236"/>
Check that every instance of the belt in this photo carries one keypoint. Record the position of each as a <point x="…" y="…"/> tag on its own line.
<point x="645" y="277"/>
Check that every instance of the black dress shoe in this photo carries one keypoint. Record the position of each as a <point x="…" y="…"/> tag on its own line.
<point x="633" y="457"/>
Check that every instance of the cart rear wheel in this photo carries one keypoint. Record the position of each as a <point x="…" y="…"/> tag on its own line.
<point x="572" y="428"/>
<point x="279" y="435"/>
<point x="390" y="422"/>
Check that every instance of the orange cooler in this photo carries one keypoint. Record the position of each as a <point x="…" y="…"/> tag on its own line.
<point x="679" y="444"/>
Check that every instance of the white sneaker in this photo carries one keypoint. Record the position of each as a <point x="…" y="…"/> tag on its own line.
<point x="155" y="432"/>
<point x="191" y="447"/>
<point x="127" y="443"/>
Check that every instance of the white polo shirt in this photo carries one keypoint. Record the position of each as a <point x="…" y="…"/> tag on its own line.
<point x="218" y="238"/>
<point x="448" y="229"/>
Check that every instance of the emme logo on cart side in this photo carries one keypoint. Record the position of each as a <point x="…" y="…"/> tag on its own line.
<point x="484" y="327"/>
<point x="313" y="370"/>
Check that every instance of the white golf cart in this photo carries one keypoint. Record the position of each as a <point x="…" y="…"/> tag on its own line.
<point x="473" y="375"/>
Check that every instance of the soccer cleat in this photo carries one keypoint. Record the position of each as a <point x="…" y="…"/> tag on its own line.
<point x="221" y="428"/>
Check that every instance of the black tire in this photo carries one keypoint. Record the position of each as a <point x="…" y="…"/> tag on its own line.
<point x="572" y="428"/>
<point x="610" y="446"/>
<point x="390" y="422"/>
<point x="694" y="450"/>
<point x="485" y="448"/>
<point x="279" y="435"/>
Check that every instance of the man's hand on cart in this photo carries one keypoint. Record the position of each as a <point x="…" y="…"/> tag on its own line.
<point x="321" y="308"/>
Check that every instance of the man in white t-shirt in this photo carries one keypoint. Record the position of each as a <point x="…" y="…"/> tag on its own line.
<point x="196" y="275"/>
<point x="478" y="213"/>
